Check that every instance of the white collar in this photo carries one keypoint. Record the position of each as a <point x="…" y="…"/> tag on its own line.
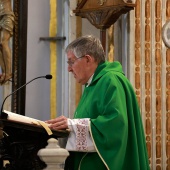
<point x="89" y="81"/>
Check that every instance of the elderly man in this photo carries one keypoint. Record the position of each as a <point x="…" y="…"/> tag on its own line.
<point x="106" y="131"/>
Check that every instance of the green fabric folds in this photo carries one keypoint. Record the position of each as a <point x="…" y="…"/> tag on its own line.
<point x="116" y="125"/>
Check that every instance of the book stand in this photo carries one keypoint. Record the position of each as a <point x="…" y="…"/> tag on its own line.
<point x="20" y="143"/>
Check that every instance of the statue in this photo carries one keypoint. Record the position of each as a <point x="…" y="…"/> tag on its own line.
<point x="7" y="19"/>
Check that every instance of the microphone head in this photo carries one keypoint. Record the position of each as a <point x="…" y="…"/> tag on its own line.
<point x="48" y="76"/>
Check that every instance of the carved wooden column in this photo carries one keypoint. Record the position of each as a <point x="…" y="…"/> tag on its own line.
<point x="147" y="73"/>
<point x="151" y="73"/>
<point x="19" y="55"/>
<point x="103" y="13"/>
<point x="158" y="85"/>
<point x="167" y="94"/>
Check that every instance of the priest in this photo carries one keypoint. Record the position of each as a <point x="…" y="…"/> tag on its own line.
<point x="106" y="132"/>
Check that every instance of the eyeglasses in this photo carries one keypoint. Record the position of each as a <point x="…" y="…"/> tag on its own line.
<point x="71" y="63"/>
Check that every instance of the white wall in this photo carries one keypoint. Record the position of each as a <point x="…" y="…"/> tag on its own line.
<point x="88" y="28"/>
<point x="38" y="60"/>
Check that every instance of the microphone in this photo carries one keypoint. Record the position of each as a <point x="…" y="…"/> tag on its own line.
<point x="48" y="76"/>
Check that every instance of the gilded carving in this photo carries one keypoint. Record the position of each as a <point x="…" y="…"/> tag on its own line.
<point x="147" y="104"/>
<point x="7" y="20"/>
<point x="158" y="80"/>
<point x="158" y="9"/>
<point x="137" y="11"/>
<point x="168" y="57"/>
<point x="147" y="57"/>
<point x="105" y="16"/>
<point x="148" y="144"/>
<point x="101" y="2"/>
<point x="101" y="18"/>
<point x="147" y="33"/>
<point x="147" y="9"/>
<point x="148" y="127"/>
<point x="168" y="105"/>
<point x="137" y="32"/>
<point x="168" y="8"/>
<point x="137" y="82"/>
<point x="137" y="57"/>
<point x="137" y="69"/>
<point x="167" y="84"/>
<point x="147" y="80"/>
<point x="158" y="32"/>
<point x="168" y="125"/>
<point x="168" y="80"/>
<point x="158" y="125"/>
<point x="158" y="103"/>
<point x="158" y="57"/>
<point x="137" y="49"/>
<point x="168" y="150"/>
<point x="110" y="44"/>
<point x="158" y="150"/>
<point x="147" y="69"/>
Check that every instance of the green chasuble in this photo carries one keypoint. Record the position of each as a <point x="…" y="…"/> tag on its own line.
<point x="115" y="123"/>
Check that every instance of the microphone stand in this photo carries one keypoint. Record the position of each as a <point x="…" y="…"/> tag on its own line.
<point x="47" y="77"/>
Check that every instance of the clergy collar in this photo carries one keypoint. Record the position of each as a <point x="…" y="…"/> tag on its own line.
<point x="89" y="81"/>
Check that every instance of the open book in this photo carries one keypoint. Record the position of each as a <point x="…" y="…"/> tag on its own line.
<point x="20" y="118"/>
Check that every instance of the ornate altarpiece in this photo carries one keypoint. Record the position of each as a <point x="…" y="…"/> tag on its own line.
<point x="151" y="72"/>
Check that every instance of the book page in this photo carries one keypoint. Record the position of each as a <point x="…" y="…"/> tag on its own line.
<point x="29" y="120"/>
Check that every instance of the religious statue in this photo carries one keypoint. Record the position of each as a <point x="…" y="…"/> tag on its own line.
<point x="7" y="19"/>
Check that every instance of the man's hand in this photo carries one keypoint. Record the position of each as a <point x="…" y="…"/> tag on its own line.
<point x="59" y="123"/>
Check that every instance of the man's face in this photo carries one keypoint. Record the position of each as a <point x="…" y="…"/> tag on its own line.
<point x="78" y="67"/>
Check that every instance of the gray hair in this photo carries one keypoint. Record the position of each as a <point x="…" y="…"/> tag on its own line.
<point x="87" y="45"/>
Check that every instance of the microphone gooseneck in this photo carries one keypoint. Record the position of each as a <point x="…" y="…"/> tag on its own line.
<point x="48" y="76"/>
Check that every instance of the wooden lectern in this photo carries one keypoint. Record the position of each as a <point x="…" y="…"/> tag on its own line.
<point x="20" y="144"/>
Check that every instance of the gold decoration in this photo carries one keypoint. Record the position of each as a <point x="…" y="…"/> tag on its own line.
<point x="6" y="32"/>
<point x="53" y="58"/>
<point x="152" y="77"/>
<point x="110" y="44"/>
<point x="101" y="2"/>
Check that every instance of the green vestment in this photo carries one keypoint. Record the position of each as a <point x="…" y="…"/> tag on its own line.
<point x="115" y="123"/>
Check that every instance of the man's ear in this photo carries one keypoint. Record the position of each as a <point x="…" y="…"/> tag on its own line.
<point x="89" y="59"/>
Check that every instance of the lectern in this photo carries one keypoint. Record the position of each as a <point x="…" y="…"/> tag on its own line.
<point x="20" y="144"/>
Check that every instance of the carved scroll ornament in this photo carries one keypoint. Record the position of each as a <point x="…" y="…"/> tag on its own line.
<point x="101" y="2"/>
<point x="103" y="13"/>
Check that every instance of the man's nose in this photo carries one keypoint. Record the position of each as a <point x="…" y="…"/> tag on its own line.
<point x="70" y="68"/>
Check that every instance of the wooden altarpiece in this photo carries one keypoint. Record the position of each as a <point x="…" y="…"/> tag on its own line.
<point x="103" y="13"/>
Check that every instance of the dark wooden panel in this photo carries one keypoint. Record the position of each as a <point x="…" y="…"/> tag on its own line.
<point x="20" y="8"/>
<point x="20" y="145"/>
